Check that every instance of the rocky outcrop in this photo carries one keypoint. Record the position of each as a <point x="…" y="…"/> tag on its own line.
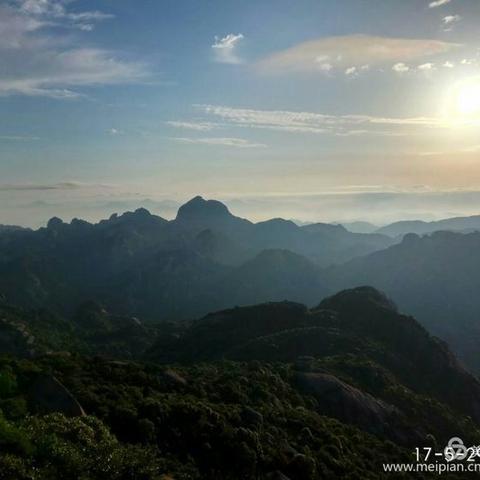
<point x="348" y="404"/>
<point x="48" y="395"/>
<point x="172" y="378"/>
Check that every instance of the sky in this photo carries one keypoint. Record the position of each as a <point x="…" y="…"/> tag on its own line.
<point x="314" y="110"/>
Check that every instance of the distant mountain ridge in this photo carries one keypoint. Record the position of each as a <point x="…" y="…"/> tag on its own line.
<point x="10" y="228"/>
<point x="207" y="259"/>
<point x="434" y="277"/>
<point x="139" y="263"/>
<point x="362" y="323"/>
<point x="455" y="224"/>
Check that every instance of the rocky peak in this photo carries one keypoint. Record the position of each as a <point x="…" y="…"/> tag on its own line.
<point x="199" y="209"/>
<point x="55" y="223"/>
<point x="357" y="299"/>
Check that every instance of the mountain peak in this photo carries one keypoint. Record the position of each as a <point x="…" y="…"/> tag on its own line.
<point x="198" y="207"/>
<point x="54" y="223"/>
<point x="356" y="298"/>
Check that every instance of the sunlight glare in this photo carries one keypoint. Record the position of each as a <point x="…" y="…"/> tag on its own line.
<point x="463" y="105"/>
<point x="468" y="101"/>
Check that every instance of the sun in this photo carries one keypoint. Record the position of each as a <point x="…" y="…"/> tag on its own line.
<point x="468" y="98"/>
<point x="463" y="104"/>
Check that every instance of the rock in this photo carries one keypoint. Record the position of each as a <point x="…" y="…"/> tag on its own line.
<point x="49" y="395"/>
<point x="55" y="223"/>
<point x="360" y="299"/>
<point x="346" y="403"/>
<point x="287" y="450"/>
<point x="302" y="467"/>
<point x="172" y="377"/>
<point x="118" y="363"/>
<point x="304" y="364"/>
<point x="59" y="353"/>
<point x="306" y="434"/>
<point x="252" y="417"/>
<point x="277" y="476"/>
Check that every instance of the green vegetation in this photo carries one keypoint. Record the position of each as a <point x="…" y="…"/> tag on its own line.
<point x="266" y="392"/>
<point x="218" y="421"/>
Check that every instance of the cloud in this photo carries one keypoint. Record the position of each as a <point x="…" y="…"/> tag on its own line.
<point x="198" y="126"/>
<point x="400" y="68"/>
<point x="36" y="62"/>
<point x="317" y="123"/>
<point x="219" y="141"/>
<point x="449" y="19"/>
<point x="438" y="3"/>
<point x="347" y="51"/>
<point x="48" y="186"/>
<point x="18" y="138"/>
<point x="472" y="149"/>
<point x="426" y="67"/>
<point x="56" y="10"/>
<point x="225" y="48"/>
<point x="324" y="67"/>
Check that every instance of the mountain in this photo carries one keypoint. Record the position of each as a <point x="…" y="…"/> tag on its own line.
<point x="270" y="391"/>
<point x="361" y="227"/>
<point x="322" y="243"/>
<point x="356" y="336"/>
<point x="139" y="264"/>
<point x="199" y="214"/>
<point x="434" y="277"/>
<point x="9" y="228"/>
<point x="273" y="275"/>
<point x="456" y="224"/>
<point x="91" y="329"/>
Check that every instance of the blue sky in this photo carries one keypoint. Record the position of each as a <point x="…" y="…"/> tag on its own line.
<point x="260" y="103"/>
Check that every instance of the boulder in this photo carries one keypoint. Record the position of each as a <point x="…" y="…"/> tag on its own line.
<point x="49" y="395"/>
<point x="348" y="404"/>
<point x="173" y="378"/>
<point x="277" y="476"/>
<point x="251" y="417"/>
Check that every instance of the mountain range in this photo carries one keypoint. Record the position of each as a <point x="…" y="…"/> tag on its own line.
<point x="135" y="260"/>
<point x="456" y="224"/>
<point x="269" y="391"/>
<point x="206" y="259"/>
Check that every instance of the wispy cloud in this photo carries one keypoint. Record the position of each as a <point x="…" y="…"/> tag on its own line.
<point x="18" y="138"/>
<point x="438" y="3"/>
<point x="114" y="132"/>
<point x="221" y="141"/>
<point x="401" y="68"/>
<point x="197" y="126"/>
<point x="426" y="67"/>
<point x="350" y="51"/>
<point x="7" y="187"/>
<point x="35" y="62"/>
<point x="351" y="71"/>
<point x="450" y="21"/>
<point x="56" y="10"/>
<point x="225" y="48"/>
<point x="318" y="123"/>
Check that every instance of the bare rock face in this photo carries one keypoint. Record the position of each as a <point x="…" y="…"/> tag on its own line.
<point x="49" y="396"/>
<point x="277" y="476"/>
<point x="346" y="403"/>
<point x="173" y="378"/>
